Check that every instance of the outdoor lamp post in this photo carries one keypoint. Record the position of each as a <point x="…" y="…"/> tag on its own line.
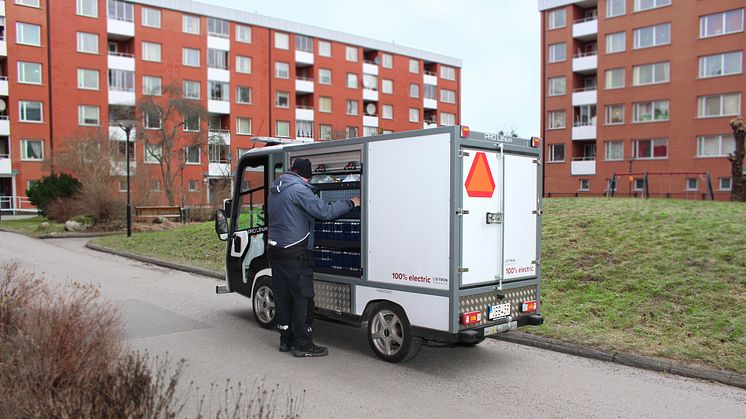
<point x="127" y="125"/>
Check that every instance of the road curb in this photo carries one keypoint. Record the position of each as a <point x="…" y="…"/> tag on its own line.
<point x="628" y="359"/>
<point x="64" y="235"/>
<point x="158" y="262"/>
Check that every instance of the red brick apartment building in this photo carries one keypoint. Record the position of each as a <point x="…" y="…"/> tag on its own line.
<point x="64" y="63"/>
<point x="640" y="86"/>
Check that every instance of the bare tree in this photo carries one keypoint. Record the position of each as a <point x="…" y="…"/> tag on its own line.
<point x="171" y="122"/>
<point x="738" y="187"/>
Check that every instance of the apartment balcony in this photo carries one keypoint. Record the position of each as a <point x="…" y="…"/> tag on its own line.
<point x="583" y="166"/>
<point x="119" y="168"/>
<point x="3" y="47"/>
<point x="219" y="74"/>
<point x="119" y="97"/>
<point x="582" y="132"/>
<point x="2" y="8"/>
<point x="430" y="78"/>
<point x="370" y="68"/>
<point x="303" y="113"/>
<point x="430" y="124"/>
<point x="3" y="86"/>
<point x="4" y="125"/>
<point x="120" y="29"/>
<point x="428" y="103"/>
<point x="585" y="29"/>
<point x="219" y="169"/>
<point x="370" y="94"/>
<point x="219" y="136"/>
<point x="217" y="42"/>
<point x="303" y="85"/>
<point x="117" y="134"/>
<point x="370" y="121"/>
<point x="585" y="62"/>
<point x="303" y="57"/>
<point x="6" y="167"/>
<point x="222" y="107"/>
<point x="121" y="61"/>
<point x="584" y="96"/>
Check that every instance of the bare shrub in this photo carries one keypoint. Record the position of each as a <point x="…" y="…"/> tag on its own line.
<point x="241" y="402"/>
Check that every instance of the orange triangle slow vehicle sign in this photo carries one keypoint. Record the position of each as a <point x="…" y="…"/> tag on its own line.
<point x="479" y="182"/>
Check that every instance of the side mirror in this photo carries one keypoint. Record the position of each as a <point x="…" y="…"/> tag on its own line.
<point x="221" y="225"/>
<point x="227" y="203"/>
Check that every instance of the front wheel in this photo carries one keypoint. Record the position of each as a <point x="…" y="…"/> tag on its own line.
<point x="263" y="302"/>
<point x="390" y="335"/>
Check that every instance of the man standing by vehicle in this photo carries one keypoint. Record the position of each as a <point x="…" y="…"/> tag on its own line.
<point x="293" y="208"/>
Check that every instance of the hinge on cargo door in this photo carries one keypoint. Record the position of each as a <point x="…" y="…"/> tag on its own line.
<point x="535" y="262"/>
<point x="461" y="211"/>
<point x="538" y="211"/>
<point x="461" y="270"/>
<point x="537" y="161"/>
<point x="494" y="218"/>
<point x="462" y="153"/>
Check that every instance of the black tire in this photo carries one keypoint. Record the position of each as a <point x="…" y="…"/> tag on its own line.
<point x="263" y="302"/>
<point x="390" y="335"/>
<point x="472" y="344"/>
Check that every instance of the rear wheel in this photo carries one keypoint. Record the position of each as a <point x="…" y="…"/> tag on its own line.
<point x="390" y="335"/>
<point x="263" y="302"/>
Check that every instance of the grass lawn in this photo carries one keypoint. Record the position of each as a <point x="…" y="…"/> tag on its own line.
<point x="662" y="278"/>
<point x="31" y="226"/>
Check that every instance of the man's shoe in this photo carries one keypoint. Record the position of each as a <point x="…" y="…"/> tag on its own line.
<point x="311" y="351"/>
<point x="284" y="347"/>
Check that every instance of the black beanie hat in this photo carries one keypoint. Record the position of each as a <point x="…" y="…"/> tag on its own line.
<point x="302" y="167"/>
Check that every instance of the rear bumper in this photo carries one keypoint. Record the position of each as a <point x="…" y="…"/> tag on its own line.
<point x="474" y="335"/>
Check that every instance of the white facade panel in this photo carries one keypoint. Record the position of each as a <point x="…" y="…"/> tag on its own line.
<point x="420" y="255"/>
<point x="3" y="48"/>
<point x="430" y="311"/>
<point x="2" y="8"/>
<point x="4" y="87"/>
<point x="117" y="97"/>
<point x="303" y="57"/>
<point x="370" y="69"/>
<point x="216" y="42"/>
<point x="5" y="166"/>
<point x="585" y="132"/>
<point x="304" y="114"/>
<point x="219" y="106"/>
<point x="118" y="134"/>
<point x="430" y="79"/>
<point x="219" y="169"/>
<point x="588" y="97"/>
<point x="427" y="125"/>
<point x="218" y="74"/>
<point x="429" y="103"/>
<point x="119" y="62"/>
<point x="583" y="168"/>
<point x="304" y="86"/>
<point x="585" y="30"/>
<point x="219" y="136"/>
<point x="585" y="64"/>
<point x="4" y="127"/>
<point x="520" y="219"/>
<point x="370" y="121"/>
<point x="370" y="94"/>
<point x="120" y="28"/>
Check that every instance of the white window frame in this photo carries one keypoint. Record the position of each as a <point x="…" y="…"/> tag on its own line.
<point x="283" y="124"/>
<point x="416" y="92"/>
<point x="655" y="28"/>
<point x="608" y="77"/>
<point x="352" y="107"/>
<point x="199" y="88"/>
<point x="636" y="149"/>
<point x="387" y="60"/>
<point x="157" y="51"/>
<point x="447" y="72"/>
<point x="552" y="19"/>
<point x="656" y="4"/>
<point x="703" y="23"/>
<point x="239" y="121"/>
<point x="636" y="109"/>
<point x="152" y="86"/>
<point x="722" y="141"/>
<point x="243" y="34"/>
<point x="146" y="122"/>
<point x="20" y="32"/>
<point x="29" y="3"/>
<point x="414" y="66"/>
<point x="186" y="154"/>
<point x="610" y="10"/>
<point x="387" y="86"/>
<point x="720" y="183"/>
<point x="721" y="56"/>
<point x="282" y="41"/>
<point x="187" y="127"/>
<point x="81" y="79"/>
<point x="587" y="186"/>
<point x="280" y="95"/>
<point x="80" y="7"/>
<point x="447" y="96"/>
<point x="550" y="85"/>
<point x="608" y="114"/>
<point x="551" y="119"/>
<point x="187" y="53"/>
<point x="325" y="132"/>
<point x="447" y="119"/>
<point x="609" y="43"/>
<point x="82" y="110"/>
<point x="688" y="187"/>
<point x="24" y="150"/>
<point x="23" y="104"/>
<point x="701" y="105"/>
<point x="325" y="104"/>
<point x="150" y="18"/>
<point x="188" y="24"/>
<point x="81" y="38"/>
<point x="387" y="111"/>
<point x="238" y="96"/>
<point x="282" y="70"/>
<point x="351" y="77"/>
<point x="552" y="154"/>
<point x="22" y="72"/>
<point x="666" y="65"/>
<point x="608" y="150"/>
<point x="243" y="61"/>
<point x="194" y="182"/>
<point x="152" y="154"/>
<point x="351" y="54"/>
<point x="554" y="52"/>
<point x="414" y="115"/>
<point x="325" y="48"/>
<point x="322" y="78"/>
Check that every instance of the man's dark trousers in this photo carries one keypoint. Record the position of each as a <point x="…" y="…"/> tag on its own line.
<point x="292" y="287"/>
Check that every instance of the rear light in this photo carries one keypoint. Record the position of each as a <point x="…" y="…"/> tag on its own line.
<point x="465" y="131"/>
<point x="471" y="318"/>
<point x="528" y="306"/>
<point x="535" y="141"/>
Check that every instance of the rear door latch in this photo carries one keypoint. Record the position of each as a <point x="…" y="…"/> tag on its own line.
<point x="494" y="218"/>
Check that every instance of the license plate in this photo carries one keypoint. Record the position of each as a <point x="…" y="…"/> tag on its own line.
<point x="498" y="310"/>
<point x="500" y="328"/>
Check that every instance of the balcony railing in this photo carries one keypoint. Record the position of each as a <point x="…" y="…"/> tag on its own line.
<point x="370" y="62"/>
<point x="121" y="54"/>
<point x="586" y="54"/>
<point x="310" y="108"/>
<point x="3" y="78"/>
<point x="122" y="18"/>
<point x="586" y="19"/>
<point x="585" y="123"/>
<point x="16" y="203"/>
<point x="218" y="34"/>
<point x="584" y="158"/>
<point x="585" y="89"/>
<point x="430" y="73"/>
<point x="304" y="78"/>
<point x="3" y="117"/>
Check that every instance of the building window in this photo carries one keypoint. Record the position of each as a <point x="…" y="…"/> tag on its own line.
<point x="217" y="58"/>
<point x="387" y="112"/>
<point x="585" y="185"/>
<point x="616" y="42"/>
<point x="369" y="131"/>
<point x="243" y="64"/>
<point x="190" y="24"/>
<point x="653" y="36"/>
<point x="28" y="34"/>
<point x="414" y="90"/>
<point x="719" y="105"/>
<point x="30" y="111"/>
<point x="721" y="64"/>
<point x="725" y="183"/>
<point x="615" y="78"/>
<point x="191" y="89"/>
<point x="121" y="10"/>
<point x="193" y="185"/>
<point x="351" y="54"/>
<point x="304" y="43"/>
<point x="387" y="86"/>
<point x="325" y="76"/>
<point x="29" y="73"/>
<point x="32" y="150"/>
<point x="615" y="7"/>
<point x="351" y="132"/>
<point x="447" y="119"/>
<point x="387" y="60"/>
<point x="325" y="49"/>
<point x="641" y="5"/>
<point x="243" y="126"/>
<point x="614" y="150"/>
<point x="325" y="104"/>
<point x="218" y="153"/>
<point x="556" y="119"/>
<point x="721" y="23"/>
<point x="650" y="74"/>
<point x="557" y="19"/>
<point x="430" y="91"/>
<point x="716" y="145"/>
<point x="557" y="86"/>
<point x="151" y="51"/>
<point x="155" y="185"/>
<point x="282" y="70"/>
<point x="352" y="107"/>
<point x="218" y="91"/>
<point x="88" y="79"/>
<point x="243" y="34"/>
<point x="352" y="80"/>
<point x="151" y="17"/>
<point x="304" y="129"/>
<point x="692" y="184"/>
<point x="32" y="3"/>
<point x="89" y="115"/>
<point x="282" y="129"/>
<point x="447" y="96"/>
<point x="614" y="114"/>
<point x="556" y="153"/>
<point x="122" y="81"/>
<point x="88" y="43"/>
<point x="152" y="86"/>
<point x="282" y="40"/>
<point x="192" y="123"/>
<point x="650" y="111"/>
<point x="325" y="132"/>
<point x="192" y="154"/>
<point x="153" y="153"/>
<point x="122" y="147"/>
<point x="87" y="8"/>
<point x="414" y="115"/>
<point x="656" y="148"/>
<point x="414" y="66"/>
<point x="190" y="57"/>
<point x="557" y="52"/>
<point x="152" y="120"/>
<point x="243" y="95"/>
<point x="282" y="99"/>
<point x="218" y="27"/>
<point x="447" y="73"/>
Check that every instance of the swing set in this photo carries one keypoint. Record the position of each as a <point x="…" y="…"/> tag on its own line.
<point x="642" y="182"/>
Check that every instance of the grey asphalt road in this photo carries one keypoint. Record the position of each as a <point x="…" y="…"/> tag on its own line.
<point x="179" y="313"/>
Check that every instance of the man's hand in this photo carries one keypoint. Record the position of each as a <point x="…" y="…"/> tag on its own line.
<point x="355" y="201"/>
